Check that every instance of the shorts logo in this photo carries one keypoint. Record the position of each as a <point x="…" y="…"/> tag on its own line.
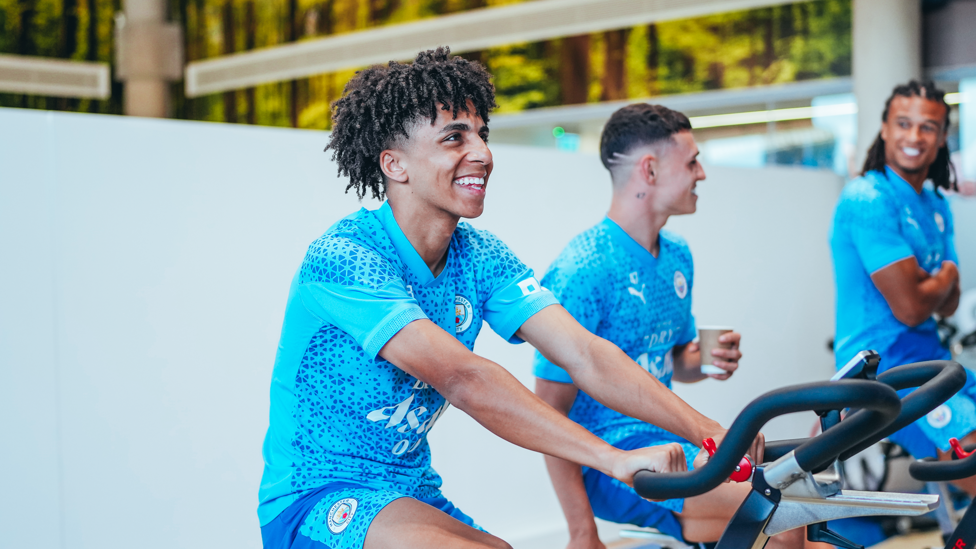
<point x="680" y="285"/>
<point x="939" y="222"/>
<point x="340" y="514"/>
<point x="940" y="417"/>
<point x="462" y="313"/>
<point x="529" y="286"/>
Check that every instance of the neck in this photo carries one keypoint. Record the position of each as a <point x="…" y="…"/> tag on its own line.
<point x="635" y="218"/>
<point x="915" y="179"/>
<point x="428" y="233"/>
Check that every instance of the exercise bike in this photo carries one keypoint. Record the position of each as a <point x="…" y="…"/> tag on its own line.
<point x="801" y="486"/>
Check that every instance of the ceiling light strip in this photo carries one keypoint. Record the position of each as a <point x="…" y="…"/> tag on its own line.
<point x="54" y="77"/>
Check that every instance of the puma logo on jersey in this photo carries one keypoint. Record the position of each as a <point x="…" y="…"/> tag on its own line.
<point x="633" y="291"/>
<point x="640" y="294"/>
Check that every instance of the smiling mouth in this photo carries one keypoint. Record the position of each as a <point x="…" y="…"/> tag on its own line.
<point x="471" y="182"/>
<point x="911" y="151"/>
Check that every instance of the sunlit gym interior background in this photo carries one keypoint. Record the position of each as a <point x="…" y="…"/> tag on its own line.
<point x="161" y="174"/>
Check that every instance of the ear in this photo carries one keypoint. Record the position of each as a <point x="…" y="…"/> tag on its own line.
<point x="647" y="167"/>
<point x="393" y="165"/>
<point x="884" y="130"/>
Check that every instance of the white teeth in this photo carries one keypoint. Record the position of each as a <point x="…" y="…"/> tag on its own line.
<point x="694" y="192"/>
<point x="470" y="181"/>
<point x="910" y="151"/>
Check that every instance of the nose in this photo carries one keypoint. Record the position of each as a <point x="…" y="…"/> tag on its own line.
<point x="479" y="152"/>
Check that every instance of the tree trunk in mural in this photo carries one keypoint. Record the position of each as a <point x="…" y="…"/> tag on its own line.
<point x="228" y="35"/>
<point x="250" y="40"/>
<point x="615" y="66"/>
<point x="574" y="69"/>
<point x="69" y="39"/>
<point x="653" y="61"/>
<point x="291" y="30"/>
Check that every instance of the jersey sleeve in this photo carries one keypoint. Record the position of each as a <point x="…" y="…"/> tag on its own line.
<point x="873" y="225"/>
<point x="514" y="293"/>
<point x="357" y="290"/>
<point x="582" y="296"/>
<point x="950" y="236"/>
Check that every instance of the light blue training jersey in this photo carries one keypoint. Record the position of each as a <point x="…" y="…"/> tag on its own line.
<point x="880" y="220"/>
<point x="617" y="290"/>
<point x="340" y="412"/>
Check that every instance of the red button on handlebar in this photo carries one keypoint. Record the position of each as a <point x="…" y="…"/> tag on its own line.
<point x="742" y="471"/>
<point x="960" y="452"/>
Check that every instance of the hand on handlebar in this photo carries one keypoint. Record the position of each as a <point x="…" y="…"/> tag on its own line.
<point x="755" y="452"/>
<point x="666" y="458"/>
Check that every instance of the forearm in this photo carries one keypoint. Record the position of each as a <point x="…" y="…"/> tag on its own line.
<point x="567" y="480"/>
<point x="495" y="399"/>
<point x="608" y="375"/>
<point x="687" y="364"/>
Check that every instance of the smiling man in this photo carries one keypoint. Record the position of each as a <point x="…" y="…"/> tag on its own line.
<point x="895" y="263"/>
<point x="630" y="281"/>
<point x="382" y="318"/>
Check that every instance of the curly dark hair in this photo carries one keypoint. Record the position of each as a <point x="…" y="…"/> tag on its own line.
<point x="381" y="102"/>
<point x="638" y="125"/>
<point x="940" y="172"/>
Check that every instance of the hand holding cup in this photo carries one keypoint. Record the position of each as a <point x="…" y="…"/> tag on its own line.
<point x="725" y="342"/>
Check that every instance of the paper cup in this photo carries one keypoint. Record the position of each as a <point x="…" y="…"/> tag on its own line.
<point x="708" y="340"/>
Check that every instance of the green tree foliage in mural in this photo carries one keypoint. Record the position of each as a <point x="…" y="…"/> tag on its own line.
<point x="801" y="41"/>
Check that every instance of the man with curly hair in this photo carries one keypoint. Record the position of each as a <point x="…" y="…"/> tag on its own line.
<point x="381" y="322"/>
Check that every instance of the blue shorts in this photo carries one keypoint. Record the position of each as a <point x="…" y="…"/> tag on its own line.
<point x="956" y="418"/>
<point x="338" y="516"/>
<point x="616" y="502"/>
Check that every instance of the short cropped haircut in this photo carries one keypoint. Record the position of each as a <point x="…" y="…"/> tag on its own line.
<point x="638" y="125"/>
<point x="380" y="103"/>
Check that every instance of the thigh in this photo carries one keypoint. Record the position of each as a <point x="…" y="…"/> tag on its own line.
<point x="408" y="523"/>
<point x="705" y="517"/>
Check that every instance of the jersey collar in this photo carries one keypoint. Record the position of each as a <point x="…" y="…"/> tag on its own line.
<point x="902" y="187"/>
<point x="405" y="249"/>
<point x="634" y="248"/>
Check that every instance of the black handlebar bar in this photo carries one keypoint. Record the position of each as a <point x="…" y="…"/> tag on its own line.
<point x="937" y="381"/>
<point x="881" y="406"/>
<point x="940" y="471"/>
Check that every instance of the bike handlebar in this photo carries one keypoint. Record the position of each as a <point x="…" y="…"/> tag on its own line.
<point x="942" y="471"/>
<point x="937" y="381"/>
<point x="881" y="406"/>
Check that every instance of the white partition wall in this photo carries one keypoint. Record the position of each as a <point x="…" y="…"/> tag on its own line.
<point x="145" y="269"/>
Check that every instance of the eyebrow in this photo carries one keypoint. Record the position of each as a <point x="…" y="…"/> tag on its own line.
<point x="460" y="127"/>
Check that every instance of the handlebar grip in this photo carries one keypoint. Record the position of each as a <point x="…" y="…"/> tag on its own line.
<point x="939" y="471"/>
<point x="824" y="395"/>
<point x="937" y="381"/>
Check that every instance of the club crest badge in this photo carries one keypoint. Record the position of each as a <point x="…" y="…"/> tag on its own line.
<point x="940" y="417"/>
<point x="939" y="222"/>
<point x="680" y="285"/>
<point x="463" y="314"/>
<point x="340" y="514"/>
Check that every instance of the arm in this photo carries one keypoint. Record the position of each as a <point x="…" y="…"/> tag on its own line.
<point x="567" y="477"/>
<point x="495" y="399"/>
<point x="611" y="377"/>
<point x="912" y="294"/>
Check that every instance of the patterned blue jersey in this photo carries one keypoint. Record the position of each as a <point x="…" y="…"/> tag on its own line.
<point x="880" y="220"/>
<point x="617" y="290"/>
<point x="339" y="412"/>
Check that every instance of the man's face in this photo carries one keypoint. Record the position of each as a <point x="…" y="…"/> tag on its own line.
<point x="678" y="172"/>
<point x="448" y="162"/>
<point x="913" y="133"/>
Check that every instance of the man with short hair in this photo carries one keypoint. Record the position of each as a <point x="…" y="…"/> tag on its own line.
<point x="895" y="262"/>
<point x="382" y="318"/>
<point x="629" y="281"/>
